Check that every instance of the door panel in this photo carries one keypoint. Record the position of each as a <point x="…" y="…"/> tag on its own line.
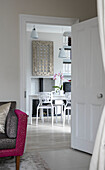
<point x="95" y="61"/>
<point x="95" y="111"/>
<point x="87" y="83"/>
<point x="80" y="111"/>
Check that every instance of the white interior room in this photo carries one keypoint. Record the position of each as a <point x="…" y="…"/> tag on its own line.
<point x="39" y="142"/>
<point x="57" y="34"/>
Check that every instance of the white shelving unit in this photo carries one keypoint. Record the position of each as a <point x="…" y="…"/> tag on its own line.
<point x="67" y="62"/>
<point x="67" y="47"/>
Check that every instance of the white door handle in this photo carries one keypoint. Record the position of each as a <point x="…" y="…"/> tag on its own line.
<point x="99" y="95"/>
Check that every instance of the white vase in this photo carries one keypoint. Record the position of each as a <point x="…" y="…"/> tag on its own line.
<point x="61" y="92"/>
<point x="61" y="82"/>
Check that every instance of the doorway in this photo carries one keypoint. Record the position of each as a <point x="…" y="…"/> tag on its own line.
<point x="35" y="84"/>
<point x="24" y="19"/>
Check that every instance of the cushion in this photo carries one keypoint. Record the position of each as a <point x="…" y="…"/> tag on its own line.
<point x="4" y="109"/>
<point x="11" y="124"/>
<point x="6" y="143"/>
<point x="13" y="104"/>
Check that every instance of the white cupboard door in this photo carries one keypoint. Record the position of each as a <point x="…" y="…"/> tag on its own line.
<point x="88" y="84"/>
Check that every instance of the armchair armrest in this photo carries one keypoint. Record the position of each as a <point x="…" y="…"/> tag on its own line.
<point x="21" y="132"/>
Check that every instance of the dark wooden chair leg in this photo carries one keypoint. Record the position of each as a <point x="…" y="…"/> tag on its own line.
<point x="17" y="162"/>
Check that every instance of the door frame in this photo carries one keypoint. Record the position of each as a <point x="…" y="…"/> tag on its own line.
<point x="24" y="19"/>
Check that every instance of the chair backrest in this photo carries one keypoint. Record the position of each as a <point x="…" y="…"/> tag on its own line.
<point x="68" y="96"/>
<point x="45" y="98"/>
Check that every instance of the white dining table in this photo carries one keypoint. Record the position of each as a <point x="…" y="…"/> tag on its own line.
<point x="36" y="96"/>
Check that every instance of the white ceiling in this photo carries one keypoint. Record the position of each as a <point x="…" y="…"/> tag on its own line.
<point x="48" y="28"/>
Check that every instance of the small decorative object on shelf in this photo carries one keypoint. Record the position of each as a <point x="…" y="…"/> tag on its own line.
<point x="69" y="41"/>
<point x="59" y="89"/>
<point x="69" y="81"/>
<point x="67" y="38"/>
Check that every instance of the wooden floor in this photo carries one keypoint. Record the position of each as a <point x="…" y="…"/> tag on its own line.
<point x="44" y="137"/>
<point x="53" y="144"/>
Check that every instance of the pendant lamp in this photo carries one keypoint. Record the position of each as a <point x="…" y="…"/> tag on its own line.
<point x="62" y="53"/>
<point x="34" y="33"/>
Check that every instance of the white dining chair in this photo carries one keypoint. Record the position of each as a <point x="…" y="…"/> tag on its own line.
<point x="60" y="104"/>
<point x="45" y="102"/>
<point x="67" y="107"/>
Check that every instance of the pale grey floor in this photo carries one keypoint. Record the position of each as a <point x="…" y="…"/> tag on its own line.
<point x="53" y="144"/>
<point x="67" y="159"/>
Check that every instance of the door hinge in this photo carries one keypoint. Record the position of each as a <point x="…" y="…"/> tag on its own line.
<point x="24" y="94"/>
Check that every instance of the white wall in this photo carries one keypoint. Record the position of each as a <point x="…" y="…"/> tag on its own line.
<point x="58" y="43"/>
<point x="58" y="63"/>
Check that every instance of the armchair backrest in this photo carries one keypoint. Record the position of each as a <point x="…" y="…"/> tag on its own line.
<point x="11" y="125"/>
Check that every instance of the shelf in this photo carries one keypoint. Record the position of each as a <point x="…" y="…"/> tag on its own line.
<point x="33" y="77"/>
<point x="67" y="47"/>
<point x="66" y="75"/>
<point x="66" y="61"/>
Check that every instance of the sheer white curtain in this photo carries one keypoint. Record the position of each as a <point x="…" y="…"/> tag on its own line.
<point x="98" y="157"/>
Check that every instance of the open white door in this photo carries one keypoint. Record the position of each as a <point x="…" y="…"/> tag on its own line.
<point x="88" y="84"/>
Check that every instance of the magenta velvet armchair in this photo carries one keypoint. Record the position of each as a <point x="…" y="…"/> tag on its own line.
<point x="20" y="139"/>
